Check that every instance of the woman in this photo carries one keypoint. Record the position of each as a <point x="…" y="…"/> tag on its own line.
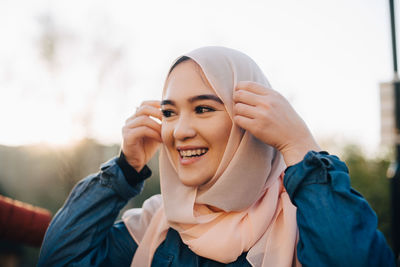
<point x="226" y="139"/>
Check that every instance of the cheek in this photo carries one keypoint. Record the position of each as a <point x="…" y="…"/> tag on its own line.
<point x="166" y="134"/>
<point x="221" y="133"/>
<point x="226" y="128"/>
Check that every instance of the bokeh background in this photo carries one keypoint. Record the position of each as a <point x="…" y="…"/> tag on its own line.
<point x="71" y="72"/>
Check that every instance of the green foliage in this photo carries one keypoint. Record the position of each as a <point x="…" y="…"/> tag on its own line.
<point x="368" y="176"/>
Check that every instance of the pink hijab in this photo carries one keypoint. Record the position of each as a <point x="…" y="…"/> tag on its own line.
<point x="256" y="215"/>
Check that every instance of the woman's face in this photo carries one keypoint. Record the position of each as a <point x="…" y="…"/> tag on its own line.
<point x="195" y="126"/>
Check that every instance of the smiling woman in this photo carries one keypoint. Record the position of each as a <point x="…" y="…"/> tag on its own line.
<point x="196" y="125"/>
<point x="227" y="195"/>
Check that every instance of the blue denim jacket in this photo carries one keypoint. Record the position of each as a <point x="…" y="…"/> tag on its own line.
<point x="336" y="225"/>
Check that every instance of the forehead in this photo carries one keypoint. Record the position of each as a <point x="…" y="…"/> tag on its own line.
<point x="186" y="80"/>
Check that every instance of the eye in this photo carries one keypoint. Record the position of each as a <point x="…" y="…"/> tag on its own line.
<point x="167" y="113"/>
<point x="203" y="109"/>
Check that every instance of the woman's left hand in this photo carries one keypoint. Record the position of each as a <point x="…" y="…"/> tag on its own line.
<point x="268" y="116"/>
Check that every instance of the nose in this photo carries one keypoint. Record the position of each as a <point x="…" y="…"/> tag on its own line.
<point x="184" y="128"/>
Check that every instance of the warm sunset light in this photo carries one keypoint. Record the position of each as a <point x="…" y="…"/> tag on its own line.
<point x="69" y="75"/>
<point x="233" y="176"/>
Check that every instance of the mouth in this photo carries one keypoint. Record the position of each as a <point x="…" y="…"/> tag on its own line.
<point x="191" y="153"/>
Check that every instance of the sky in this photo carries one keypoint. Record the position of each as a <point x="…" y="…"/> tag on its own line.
<point x="75" y="69"/>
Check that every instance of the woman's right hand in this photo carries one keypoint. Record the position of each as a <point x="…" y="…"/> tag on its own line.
<point x="142" y="135"/>
<point x="270" y="117"/>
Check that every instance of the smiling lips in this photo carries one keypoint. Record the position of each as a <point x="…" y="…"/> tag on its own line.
<point x="188" y="155"/>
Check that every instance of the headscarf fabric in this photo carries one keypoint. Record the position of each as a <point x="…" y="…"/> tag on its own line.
<point x="253" y="211"/>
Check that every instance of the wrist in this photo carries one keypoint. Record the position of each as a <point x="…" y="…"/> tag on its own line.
<point x="134" y="165"/>
<point x="132" y="175"/>
<point x="296" y="153"/>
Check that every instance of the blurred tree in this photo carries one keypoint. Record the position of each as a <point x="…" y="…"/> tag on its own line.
<point x="78" y="161"/>
<point x="48" y="41"/>
<point x="368" y="176"/>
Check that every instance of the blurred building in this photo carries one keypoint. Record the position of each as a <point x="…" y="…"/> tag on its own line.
<point x="388" y="132"/>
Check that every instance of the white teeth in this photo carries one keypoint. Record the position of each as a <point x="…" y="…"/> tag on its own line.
<point x="193" y="152"/>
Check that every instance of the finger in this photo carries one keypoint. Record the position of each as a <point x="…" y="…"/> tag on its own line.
<point x="143" y="121"/>
<point x="246" y="97"/>
<point x="149" y="111"/>
<point x="245" y="110"/>
<point x="244" y="122"/>
<point x="253" y="87"/>
<point x="144" y="131"/>
<point x="150" y="103"/>
<point x="145" y="111"/>
<point x="154" y="103"/>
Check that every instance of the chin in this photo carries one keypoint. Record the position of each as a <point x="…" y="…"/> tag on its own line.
<point x="193" y="181"/>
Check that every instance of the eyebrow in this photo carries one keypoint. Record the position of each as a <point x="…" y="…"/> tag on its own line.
<point x="193" y="99"/>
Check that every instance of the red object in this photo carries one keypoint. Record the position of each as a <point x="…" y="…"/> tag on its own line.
<point x="22" y="223"/>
